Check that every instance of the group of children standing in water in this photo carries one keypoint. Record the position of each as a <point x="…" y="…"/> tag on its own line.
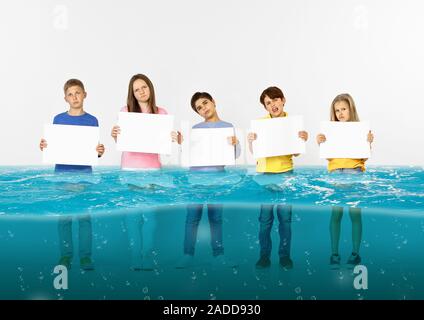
<point x="141" y="99"/>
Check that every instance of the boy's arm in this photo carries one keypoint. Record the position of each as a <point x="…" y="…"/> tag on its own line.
<point x="100" y="150"/>
<point x="236" y="143"/>
<point x="304" y="136"/>
<point x="43" y="144"/>
<point x="238" y="149"/>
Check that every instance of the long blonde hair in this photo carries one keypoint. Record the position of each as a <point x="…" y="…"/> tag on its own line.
<point x="346" y="97"/>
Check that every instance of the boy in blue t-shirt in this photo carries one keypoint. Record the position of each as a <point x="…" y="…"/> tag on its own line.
<point x="74" y="96"/>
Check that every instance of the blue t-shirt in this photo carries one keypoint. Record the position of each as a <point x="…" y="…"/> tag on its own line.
<point x="214" y="125"/>
<point x="83" y="120"/>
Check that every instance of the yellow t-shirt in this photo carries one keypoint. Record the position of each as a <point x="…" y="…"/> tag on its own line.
<point x="344" y="163"/>
<point x="276" y="164"/>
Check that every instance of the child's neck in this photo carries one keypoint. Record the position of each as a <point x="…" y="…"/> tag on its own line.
<point x="281" y="115"/>
<point x="145" y="108"/>
<point x="76" y="112"/>
<point x="214" y="118"/>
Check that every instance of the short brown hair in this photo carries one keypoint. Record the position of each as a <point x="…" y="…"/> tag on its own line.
<point x="197" y="96"/>
<point x="272" y="93"/>
<point x="72" y="83"/>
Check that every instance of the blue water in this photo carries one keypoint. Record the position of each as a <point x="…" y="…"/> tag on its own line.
<point x="391" y="199"/>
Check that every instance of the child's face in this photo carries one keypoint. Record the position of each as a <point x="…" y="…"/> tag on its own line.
<point x="141" y="91"/>
<point x="75" y="96"/>
<point x="205" y="107"/>
<point x="274" y="106"/>
<point x="341" y="109"/>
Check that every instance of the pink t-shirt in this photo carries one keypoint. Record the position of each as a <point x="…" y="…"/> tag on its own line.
<point x="140" y="160"/>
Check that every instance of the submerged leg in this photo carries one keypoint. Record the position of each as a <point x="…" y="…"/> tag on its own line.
<point x="65" y="236"/>
<point x="284" y="214"/>
<point x="266" y="219"/>
<point x="215" y="224"/>
<point x="356" y="218"/>
<point x="335" y="226"/>
<point x="194" y="214"/>
<point x="85" y="236"/>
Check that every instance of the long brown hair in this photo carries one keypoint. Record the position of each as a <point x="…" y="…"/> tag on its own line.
<point x="132" y="102"/>
<point x="352" y="108"/>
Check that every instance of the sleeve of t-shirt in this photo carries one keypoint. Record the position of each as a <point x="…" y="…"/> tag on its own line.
<point x="162" y="111"/>
<point x="56" y="119"/>
<point x="237" y="146"/>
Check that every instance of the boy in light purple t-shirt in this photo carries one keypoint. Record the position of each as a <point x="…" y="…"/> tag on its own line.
<point x="204" y="105"/>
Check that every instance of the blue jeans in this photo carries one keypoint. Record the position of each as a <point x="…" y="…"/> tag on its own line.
<point x="194" y="214"/>
<point x="266" y="219"/>
<point x="85" y="236"/>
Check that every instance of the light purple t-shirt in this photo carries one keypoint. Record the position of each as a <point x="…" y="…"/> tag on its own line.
<point x="214" y="125"/>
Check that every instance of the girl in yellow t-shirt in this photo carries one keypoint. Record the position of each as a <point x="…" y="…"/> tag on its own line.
<point x="343" y="109"/>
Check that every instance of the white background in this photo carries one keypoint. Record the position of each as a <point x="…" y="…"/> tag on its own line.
<point x="311" y="49"/>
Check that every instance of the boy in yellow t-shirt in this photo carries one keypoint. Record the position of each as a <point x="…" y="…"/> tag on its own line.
<point x="273" y="100"/>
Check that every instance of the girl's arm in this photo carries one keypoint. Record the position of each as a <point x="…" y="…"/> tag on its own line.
<point x="370" y="139"/>
<point x="115" y="131"/>
<point x="303" y="135"/>
<point x="177" y="137"/>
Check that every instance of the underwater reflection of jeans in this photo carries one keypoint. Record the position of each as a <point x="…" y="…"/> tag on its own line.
<point x="266" y="219"/>
<point x="141" y="231"/>
<point x="194" y="214"/>
<point x="85" y="236"/>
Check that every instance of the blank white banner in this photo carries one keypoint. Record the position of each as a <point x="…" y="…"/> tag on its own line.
<point x="73" y="145"/>
<point x="277" y="136"/>
<point x="208" y="147"/>
<point x="345" y="140"/>
<point x="143" y="132"/>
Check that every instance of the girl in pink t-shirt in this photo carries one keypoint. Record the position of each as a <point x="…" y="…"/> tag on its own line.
<point x="141" y="98"/>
